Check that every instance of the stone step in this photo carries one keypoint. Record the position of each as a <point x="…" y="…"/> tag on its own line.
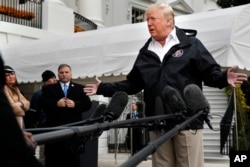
<point x="218" y="106"/>
<point x="215" y="125"/>
<point x="208" y="146"/>
<point x="215" y="94"/>
<point x="211" y="136"/>
<point x="217" y="159"/>
<point x="215" y="154"/>
<point x="211" y="141"/>
<point x="218" y="102"/>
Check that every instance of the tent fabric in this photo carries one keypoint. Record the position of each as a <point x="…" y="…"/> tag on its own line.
<point x="113" y="50"/>
<point x="225" y="33"/>
<point x="109" y="51"/>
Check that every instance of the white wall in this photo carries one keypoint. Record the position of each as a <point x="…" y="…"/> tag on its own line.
<point x="13" y="33"/>
<point x="58" y="20"/>
<point x="71" y="3"/>
<point x="203" y="5"/>
<point x="118" y="12"/>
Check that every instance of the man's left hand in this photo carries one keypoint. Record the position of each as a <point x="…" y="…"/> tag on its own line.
<point x="235" y="78"/>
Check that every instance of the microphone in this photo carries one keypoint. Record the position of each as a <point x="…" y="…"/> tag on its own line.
<point x="116" y="106"/>
<point x="159" y="110"/>
<point x="99" y="111"/>
<point x="96" y="117"/>
<point x="173" y="101"/>
<point x="112" y="112"/>
<point x="108" y="113"/>
<point x="196" y="101"/>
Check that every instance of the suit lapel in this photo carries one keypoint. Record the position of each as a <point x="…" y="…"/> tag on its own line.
<point x="71" y="85"/>
<point x="59" y="89"/>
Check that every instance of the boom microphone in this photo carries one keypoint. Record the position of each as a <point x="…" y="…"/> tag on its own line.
<point x="173" y="101"/>
<point x="113" y="111"/>
<point x="96" y="117"/>
<point x="173" y="104"/>
<point x="116" y="106"/>
<point x="99" y="111"/>
<point x="196" y="101"/>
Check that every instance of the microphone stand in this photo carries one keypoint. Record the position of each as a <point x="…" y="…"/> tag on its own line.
<point x="65" y="133"/>
<point x="152" y="146"/>
<point x="101" y="120"/>
<point x="79" y="123"/>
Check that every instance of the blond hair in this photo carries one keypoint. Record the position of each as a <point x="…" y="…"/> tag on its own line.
<point x="167" y="11"/>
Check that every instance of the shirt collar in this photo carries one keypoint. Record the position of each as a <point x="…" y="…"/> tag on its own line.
<point x="174" y="36"/>
<point x="62" y="84"/>
<point x="171" y="36"/>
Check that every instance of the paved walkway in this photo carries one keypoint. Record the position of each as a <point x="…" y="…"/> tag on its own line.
<point x="114" y="160"/>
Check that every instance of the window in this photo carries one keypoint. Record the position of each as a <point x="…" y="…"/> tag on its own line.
<point x="138" y="15"/>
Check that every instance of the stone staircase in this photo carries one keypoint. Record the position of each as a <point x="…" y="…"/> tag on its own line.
<point x="211" y="139"/>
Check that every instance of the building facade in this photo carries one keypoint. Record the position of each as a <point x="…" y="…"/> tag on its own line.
<point x="62" y="17"/>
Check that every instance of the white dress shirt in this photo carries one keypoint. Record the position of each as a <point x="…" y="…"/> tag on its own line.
<point x="160" y="50"/>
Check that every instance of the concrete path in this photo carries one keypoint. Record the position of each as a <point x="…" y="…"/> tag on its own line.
<point x="114" y="160"/>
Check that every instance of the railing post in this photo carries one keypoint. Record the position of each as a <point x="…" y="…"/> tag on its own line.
<point x="26" y="12"/>
<point x="235" y="119"/>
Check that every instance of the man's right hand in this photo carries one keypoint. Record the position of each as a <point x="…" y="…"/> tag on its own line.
<point x="29" y="140"/>
<point x="61" y="102"/>
<point x="91" y="89"/>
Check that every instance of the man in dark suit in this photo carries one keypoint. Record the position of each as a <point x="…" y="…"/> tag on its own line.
<point x="137" y="133"/>
<point x="64" y="103"/>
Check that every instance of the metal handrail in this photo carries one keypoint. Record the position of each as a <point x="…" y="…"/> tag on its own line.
<point x="227" y="127"/>
<point x="22" y="12"/>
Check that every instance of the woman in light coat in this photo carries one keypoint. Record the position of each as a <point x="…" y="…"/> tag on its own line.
<point x="17" y="101"/>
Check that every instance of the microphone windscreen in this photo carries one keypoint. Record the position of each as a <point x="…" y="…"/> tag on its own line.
<point x="116" y="105"/>
<point x="99" y="111"/>
<point x="195" y="99"/>
<point x="173" y="101"/>
<point x="159" y="109"/>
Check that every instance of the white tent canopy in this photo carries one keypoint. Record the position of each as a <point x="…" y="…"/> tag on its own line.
<point x="225" y="33"/>
<point x="112" y="51"/>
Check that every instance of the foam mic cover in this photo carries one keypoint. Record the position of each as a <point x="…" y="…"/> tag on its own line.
<point x="173" y="101"/>
<point x="99" y="111"/>
<point x="116" y="106"/>
<point x="196" y="101"/>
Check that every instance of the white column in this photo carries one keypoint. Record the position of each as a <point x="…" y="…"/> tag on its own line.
<point x="92" y="10"/>
<point x="57" y="17"/>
